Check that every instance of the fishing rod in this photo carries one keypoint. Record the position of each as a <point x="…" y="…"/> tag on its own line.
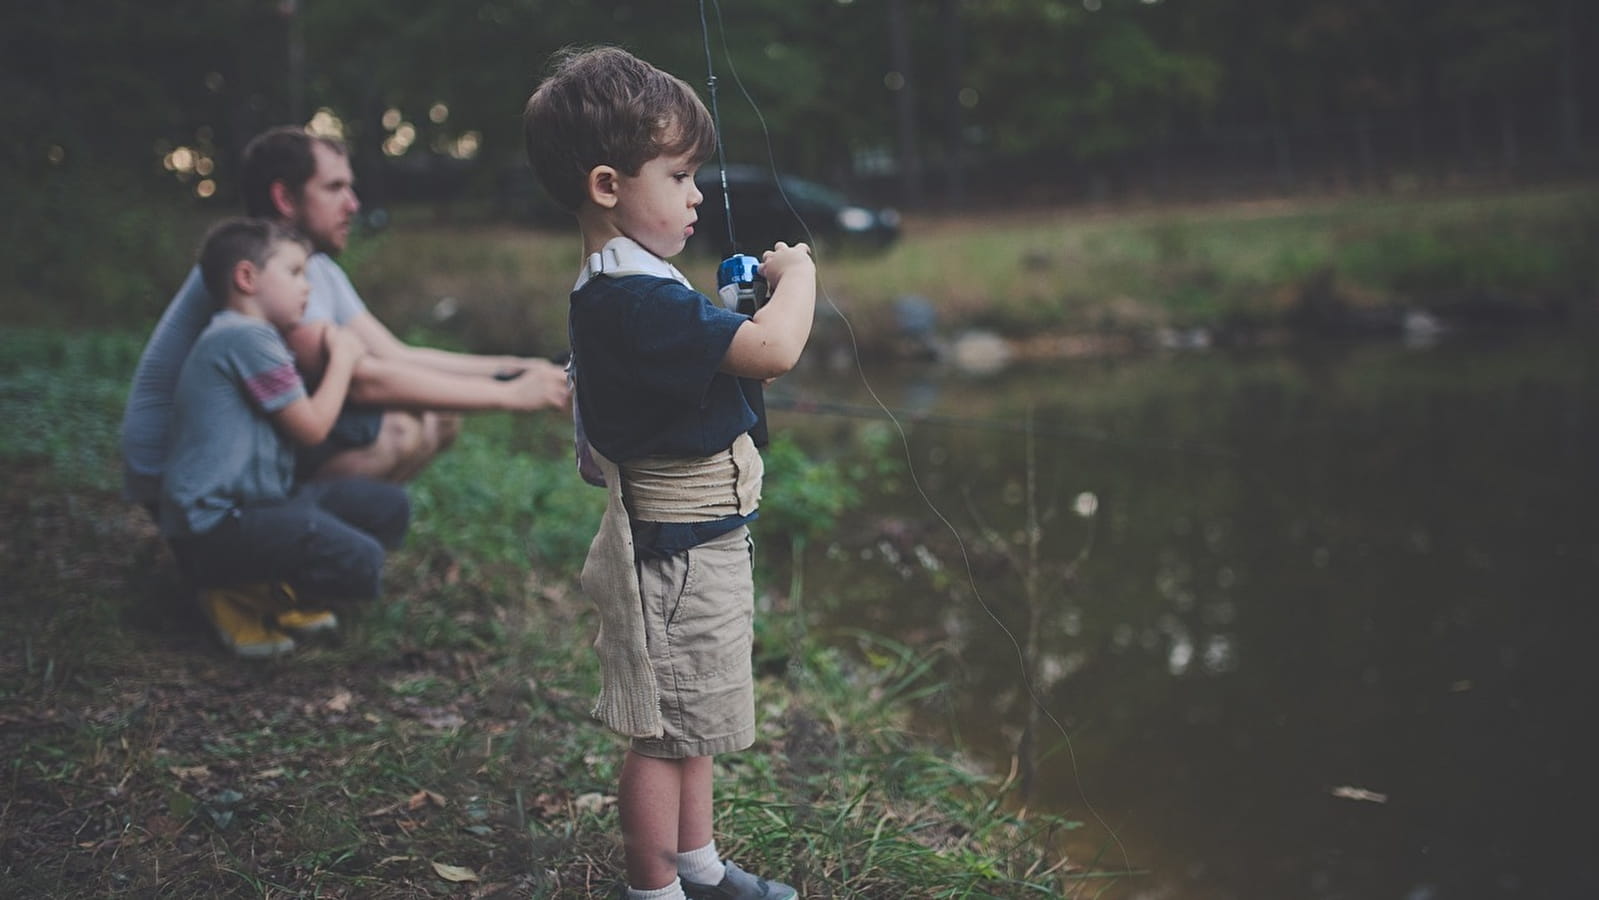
<point x="738" y="278"/>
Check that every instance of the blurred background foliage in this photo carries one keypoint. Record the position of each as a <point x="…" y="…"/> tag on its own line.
<point x="114" y="108"/>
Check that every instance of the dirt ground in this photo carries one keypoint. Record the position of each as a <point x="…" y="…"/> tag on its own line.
<point x="142" y="760"/>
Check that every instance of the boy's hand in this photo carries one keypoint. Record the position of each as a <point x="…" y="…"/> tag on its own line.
<point x="782" y="259"/>
<point x="342" y="343"/>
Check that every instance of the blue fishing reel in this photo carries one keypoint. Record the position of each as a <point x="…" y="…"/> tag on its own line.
<point x="740" y="285"/>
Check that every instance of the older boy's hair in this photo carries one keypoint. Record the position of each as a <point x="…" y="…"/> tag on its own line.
<point x="285" y="154"/>
<point x="605" y="106"/>
<point x="232" y="241"/>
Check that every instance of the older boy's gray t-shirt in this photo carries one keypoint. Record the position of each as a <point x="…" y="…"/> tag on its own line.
<point x="225" y="451"/>
<point x="147" y="419"/>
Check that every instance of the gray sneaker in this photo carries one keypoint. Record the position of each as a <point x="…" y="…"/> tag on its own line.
<point x="738" y="884"/>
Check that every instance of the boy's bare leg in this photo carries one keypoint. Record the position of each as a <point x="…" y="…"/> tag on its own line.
<point x="694" y="804"/>
<point x="651" y="809"/>
<point x="405" y="444"/>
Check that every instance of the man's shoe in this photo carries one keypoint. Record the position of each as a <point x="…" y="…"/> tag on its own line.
<point x="235" y="614"/>
<point x="307" y="622"/>
<point x="737" y="884"/>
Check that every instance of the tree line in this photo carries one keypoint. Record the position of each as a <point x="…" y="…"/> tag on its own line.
<point x="917" y="102"/>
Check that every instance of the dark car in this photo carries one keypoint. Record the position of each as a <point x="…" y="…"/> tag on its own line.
<point x="762" y="215"/>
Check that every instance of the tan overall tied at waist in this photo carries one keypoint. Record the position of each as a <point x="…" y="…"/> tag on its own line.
<point x="654" y="489"/>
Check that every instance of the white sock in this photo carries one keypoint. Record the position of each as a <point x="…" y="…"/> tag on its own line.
<point x="701" y="866"/>
<point x="673" y="891"/>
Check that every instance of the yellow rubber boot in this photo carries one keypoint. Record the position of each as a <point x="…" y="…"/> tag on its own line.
<point x="236" y="615"/>
<point x="300" y="620"/>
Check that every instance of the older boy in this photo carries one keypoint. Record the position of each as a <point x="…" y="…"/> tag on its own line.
<point x="617" y="142"/>
<point x="228" y="502"/>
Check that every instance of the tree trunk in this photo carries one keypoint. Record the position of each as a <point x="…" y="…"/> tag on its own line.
<point x="954" y="124"/>
<point x="910" y="159"/>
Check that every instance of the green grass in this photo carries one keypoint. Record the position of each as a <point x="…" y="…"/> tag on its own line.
<point x="449" y="727"/>
<point x="1069" y="270"/>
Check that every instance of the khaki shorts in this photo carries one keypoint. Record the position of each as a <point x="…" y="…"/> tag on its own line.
<point x="699" y="608"/>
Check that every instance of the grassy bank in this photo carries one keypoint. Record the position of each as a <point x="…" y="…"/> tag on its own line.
<point x="442" y="748"/>
<point x="1318" y="265"/>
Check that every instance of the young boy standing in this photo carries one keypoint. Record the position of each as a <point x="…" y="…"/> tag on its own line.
<point x="617" y="142"/>
<point x="229" y="506"/>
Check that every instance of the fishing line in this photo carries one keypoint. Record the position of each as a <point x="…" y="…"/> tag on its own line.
<point x="849" y="328"/>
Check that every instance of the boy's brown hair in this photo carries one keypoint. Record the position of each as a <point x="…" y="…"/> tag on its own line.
<point x="605" y="106"/>
<point x="230" y="242"/>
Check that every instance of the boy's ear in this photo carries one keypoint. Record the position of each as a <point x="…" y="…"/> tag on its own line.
<point x="602" y="185"/>
<point x="244" y="275"/>
<point x="283" y="199"/>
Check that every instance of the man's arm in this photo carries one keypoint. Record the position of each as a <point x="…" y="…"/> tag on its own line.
<point x="396" y="382"/>
<point x="769" y="344"/>
<point x="380" y="381"/>
<point x="382" y="343"/>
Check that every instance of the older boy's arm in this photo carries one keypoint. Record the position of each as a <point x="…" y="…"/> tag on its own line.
<point x="308" y="420"/>
<point x="769" y="344"/>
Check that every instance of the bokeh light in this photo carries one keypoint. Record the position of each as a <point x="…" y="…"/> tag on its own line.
<point x="326" y="123"/>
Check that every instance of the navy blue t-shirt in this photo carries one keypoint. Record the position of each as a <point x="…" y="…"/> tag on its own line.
<point x="649" y="352"/>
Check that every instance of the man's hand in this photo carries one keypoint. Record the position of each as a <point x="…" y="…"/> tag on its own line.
<point x="540" y="385"/>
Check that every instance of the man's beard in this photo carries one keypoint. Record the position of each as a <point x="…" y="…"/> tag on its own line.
<point x="324" y="246"/>
<point x="319" y="243"/>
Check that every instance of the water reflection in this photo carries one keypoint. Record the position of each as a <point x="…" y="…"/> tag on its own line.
<point x="1313" y="581"/>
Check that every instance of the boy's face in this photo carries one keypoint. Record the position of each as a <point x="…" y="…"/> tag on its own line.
<point x="657" y="207"/>
<point x="327" y="203"/>
<point x="281" y="288"/>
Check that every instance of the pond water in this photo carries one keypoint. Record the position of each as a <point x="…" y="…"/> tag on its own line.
<point x="1319" y="623"/>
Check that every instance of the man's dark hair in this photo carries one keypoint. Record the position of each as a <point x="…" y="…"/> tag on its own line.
<point x="232" y="241"/>
<point x="285" y="154"/>
<point x="605" y="106"/>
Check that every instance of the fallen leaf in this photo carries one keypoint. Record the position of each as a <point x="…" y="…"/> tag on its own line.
<point x="339" y="702"/>
<point x="162" y="826"/>
<point x="454" y="873"/>
<point x="1345" y="792"/>
<point x="444" y="721"/>
<point x="424" y="797"/>
<point x="592" y="802"/>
